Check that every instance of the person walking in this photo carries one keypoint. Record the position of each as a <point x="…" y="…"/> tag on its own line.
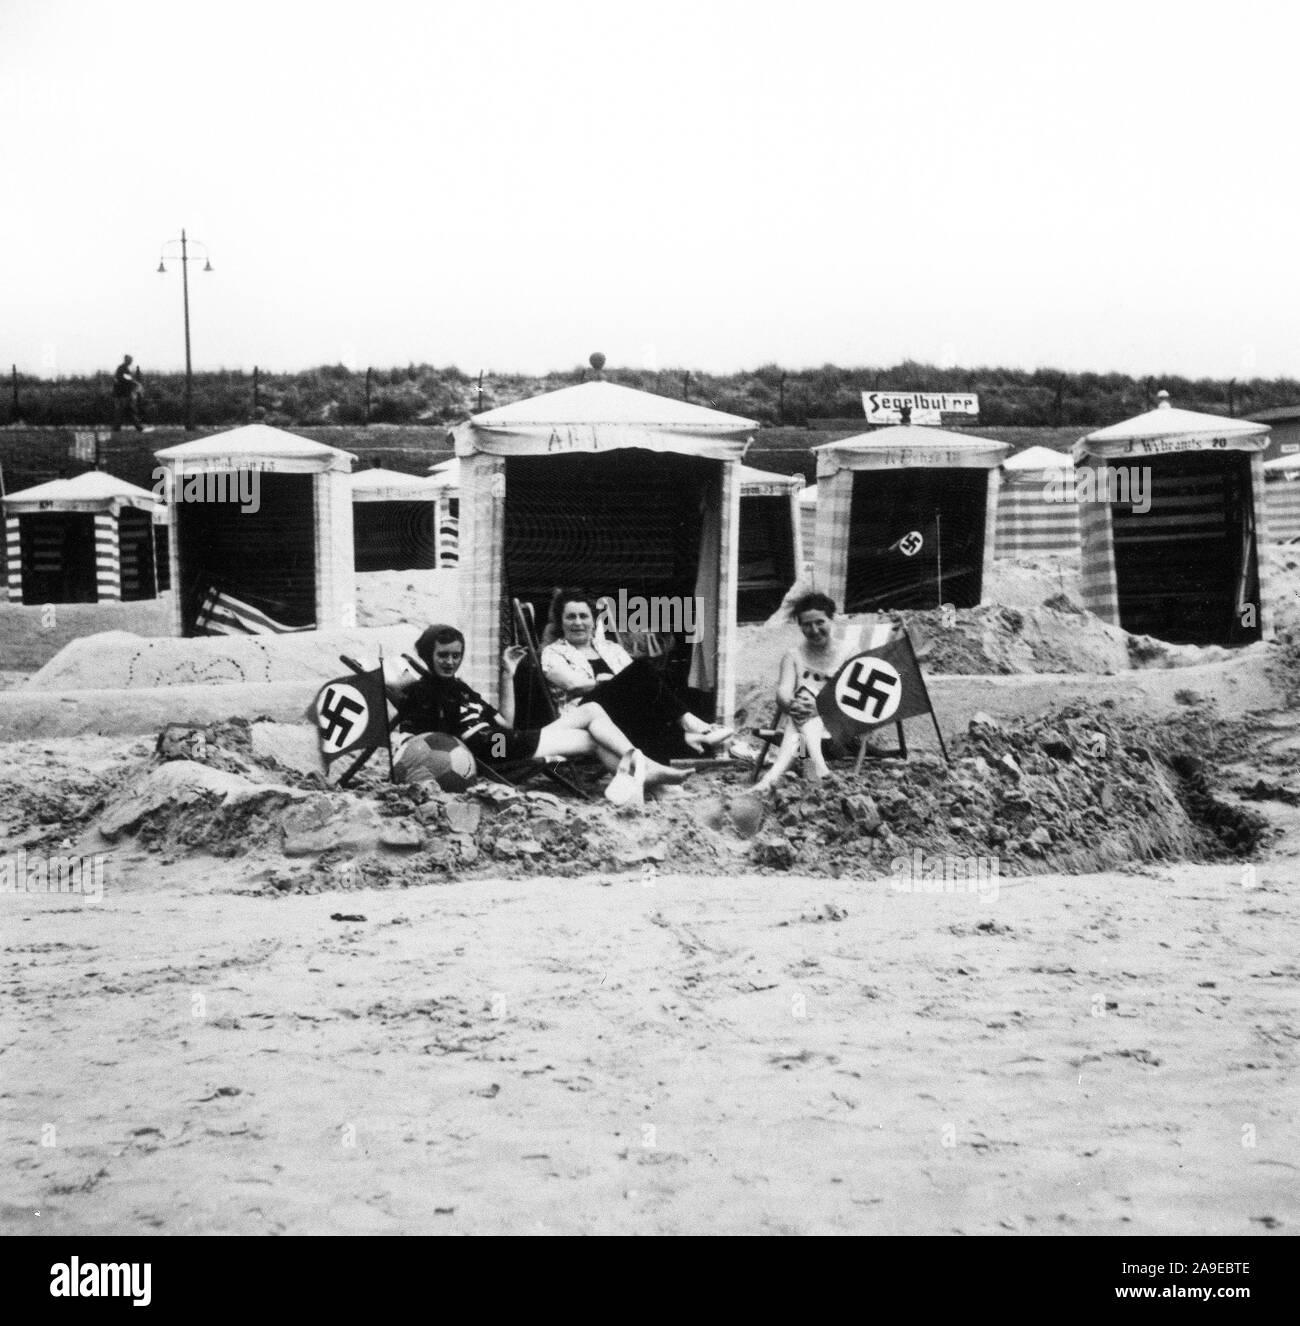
<point x="128" y="387"/>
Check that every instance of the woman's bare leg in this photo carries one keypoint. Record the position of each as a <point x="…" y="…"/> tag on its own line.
<point x="785" y="757"/>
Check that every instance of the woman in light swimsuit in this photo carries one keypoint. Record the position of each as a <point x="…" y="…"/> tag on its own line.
<point x="805" y="669"/>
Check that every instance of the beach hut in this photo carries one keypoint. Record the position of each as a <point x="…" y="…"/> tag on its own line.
<point x="1037" y="513"/>
<point x="1282" y="498"/>
<point x="906" y="518"/>
<point x="262" y="520"/>
<point x="394" y="517"/>
<point x="623" y="492"/>
<point x="82" y="540"/>
<point x="771" y="541"/>
<point x="1171" y="505"/>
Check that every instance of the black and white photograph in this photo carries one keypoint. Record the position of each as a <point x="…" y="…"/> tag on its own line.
<point x="649" y="620"/>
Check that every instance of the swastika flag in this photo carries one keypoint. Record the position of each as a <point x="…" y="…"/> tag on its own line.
<point x="351" y="714"/>
<point x="883" y="685"/>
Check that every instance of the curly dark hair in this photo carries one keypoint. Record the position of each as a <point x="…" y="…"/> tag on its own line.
<point x="812" y="603"/>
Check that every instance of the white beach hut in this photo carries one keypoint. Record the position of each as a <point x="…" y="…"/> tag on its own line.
<point x="287" y="554"/>
<point x="771" y="541"/>
<point x="394" y="517"/>
<point x="906" y="518"/>
<point x="1178" y="557"/>
<point x="616" y="490"/>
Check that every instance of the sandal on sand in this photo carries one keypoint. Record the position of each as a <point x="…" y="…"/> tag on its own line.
<point x="709" y="738"/>
<point x="627" y="787"/>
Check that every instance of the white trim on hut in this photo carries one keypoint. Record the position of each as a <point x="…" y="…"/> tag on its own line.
<point x="1153" y="441"/>
<point x="599" y="419"/>
<point x="892" y="450"/>
<point x="101" y="499"/>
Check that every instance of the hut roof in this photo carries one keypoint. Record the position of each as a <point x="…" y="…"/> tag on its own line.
<point x="92" y="491"/>
<point x="1167" y="428"/>
<point x="603" y="416"/>
<point x="906" y="445"/>
<point x="380" y="485"/>
<point x="1039" y="458"/>
<point x="259" y="446"/>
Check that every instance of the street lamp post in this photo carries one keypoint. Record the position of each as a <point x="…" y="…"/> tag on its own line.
<point x="185" y="261"/>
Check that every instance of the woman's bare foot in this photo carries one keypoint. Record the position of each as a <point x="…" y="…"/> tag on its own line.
<point x="710" y="738"/>
<point x="663" y="773"/>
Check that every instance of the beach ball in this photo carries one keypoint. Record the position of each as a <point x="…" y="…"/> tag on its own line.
<point x="442" y="759"/>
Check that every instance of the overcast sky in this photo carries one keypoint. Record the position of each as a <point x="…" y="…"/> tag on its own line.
<point x="716" y="185"/>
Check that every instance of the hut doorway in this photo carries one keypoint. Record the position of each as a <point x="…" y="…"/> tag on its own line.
<point x="394" y="536"/>
<point x="628" y="521"/>
<point x="136" y="554"/>
<point x="947" y="507"/>
<point x="1183" y="567"/>
<point x="265" y="558"/>
<point x="58" y="557"/>
<point x="767" y="568"/>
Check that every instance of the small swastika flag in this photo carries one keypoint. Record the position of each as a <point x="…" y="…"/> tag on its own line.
<point x="351" y="714"/>
<point x="882" y="685"/>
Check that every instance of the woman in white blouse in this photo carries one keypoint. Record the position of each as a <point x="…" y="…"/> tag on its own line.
<point x="581" y="664"/>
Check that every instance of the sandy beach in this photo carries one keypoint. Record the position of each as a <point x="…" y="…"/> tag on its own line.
<point x="1098" y="1054"/>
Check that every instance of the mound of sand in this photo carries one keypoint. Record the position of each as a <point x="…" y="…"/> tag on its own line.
<point x="116" y="660"/>
<point x="1074" y="791"/>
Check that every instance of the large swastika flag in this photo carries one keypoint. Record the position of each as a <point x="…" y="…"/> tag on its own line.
<point x="351" y="714"/>
<point x="883" y="685"/>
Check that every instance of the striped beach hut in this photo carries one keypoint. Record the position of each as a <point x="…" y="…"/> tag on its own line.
<point x="906" y="518"/>
<point x="261" y="525"/>
<point x="444" y="476"/>
<point x="620" y="491"/>
<point x="1037" y="514"/>
<point x="771" y="541"/>
<point x="808" y="528"/>
<point x="83" y="540"/>
<point x="394" y="518"/>
<point x="1172" y="511"/>
<point x="1282" y="498"/>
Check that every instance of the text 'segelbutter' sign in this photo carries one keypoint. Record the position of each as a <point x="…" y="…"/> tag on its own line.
<point x="925" y="407"/>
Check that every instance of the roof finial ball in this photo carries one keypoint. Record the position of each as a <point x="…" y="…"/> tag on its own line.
<point x="597" y="362"/>
<point x="1162" y="397"/>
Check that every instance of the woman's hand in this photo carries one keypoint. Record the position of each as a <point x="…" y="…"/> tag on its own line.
<point x="511" y="658"/>
<point x="803" y="707"/>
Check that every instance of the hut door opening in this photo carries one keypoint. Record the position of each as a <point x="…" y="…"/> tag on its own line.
<point x="264" y="558"/>
<point x="58" y="557"/>
<point x="394" y="536"/>
<point x="1183" y="567"/>
<point x="135" y="543"/>
<point x="627" y="521"/>
<point x="767" y="566"/>
<point x="946" y="508"/>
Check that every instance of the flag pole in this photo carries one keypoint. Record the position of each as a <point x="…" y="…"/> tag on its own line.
<point x="388" y="735"/>
<point x="938" y="548"/>
<point x="929" y="704"/>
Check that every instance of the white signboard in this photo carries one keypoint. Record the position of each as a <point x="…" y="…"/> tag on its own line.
<point x="927" y="407"/>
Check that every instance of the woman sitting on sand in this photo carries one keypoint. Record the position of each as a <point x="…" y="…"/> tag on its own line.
<point x="805" y="669"/>
<point x="582" y="667"/>
<point x="441" y="702"/>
